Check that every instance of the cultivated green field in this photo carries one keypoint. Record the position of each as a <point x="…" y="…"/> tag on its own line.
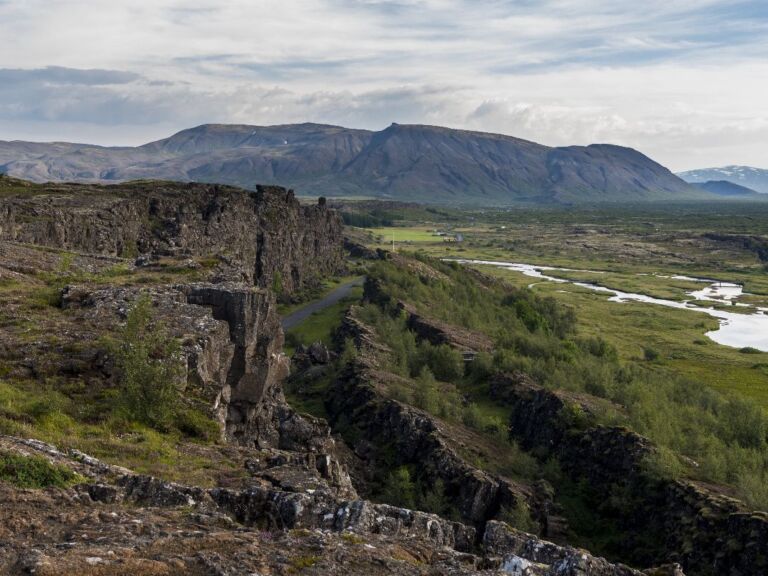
<point x="409" y="235"/>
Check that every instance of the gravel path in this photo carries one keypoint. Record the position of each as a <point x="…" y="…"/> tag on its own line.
<point x="295" y="318"/>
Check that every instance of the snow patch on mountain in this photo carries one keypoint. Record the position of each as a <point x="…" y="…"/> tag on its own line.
<point x="748" y="176"/>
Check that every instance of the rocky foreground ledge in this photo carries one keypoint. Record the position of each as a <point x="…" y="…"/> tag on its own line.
<point x="118" y="522"/>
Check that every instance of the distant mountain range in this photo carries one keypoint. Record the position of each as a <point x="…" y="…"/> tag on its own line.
<point x="404" y="162"/>
<point x="753" y="178"/>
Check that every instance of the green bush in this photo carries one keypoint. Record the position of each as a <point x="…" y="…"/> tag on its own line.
<point x="348" y="352"/>
<point x="425" y="394"/>
<point x="723" y="435"/>
<point x="150" y="368"/>
<point x="404" y="488"/>
<point x="435" y="500"/>
<point x="400" y="489"/>
<point x="277" y="284"/>
<point x="650" y="354"/>
<point x="750" y="350"/>
<point x="34" y="472"/>
<point x="443" y="361"/>
<point x="472" y="416"/>
<point x="519" y="516"/>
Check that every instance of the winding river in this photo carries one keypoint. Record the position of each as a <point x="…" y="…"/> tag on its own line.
<point x="738" y="330"/>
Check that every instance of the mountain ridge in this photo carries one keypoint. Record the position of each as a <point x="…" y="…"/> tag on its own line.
<point x="747" y="176"/>
<point x="404" y="161"/>
<point x="726" y="188"/>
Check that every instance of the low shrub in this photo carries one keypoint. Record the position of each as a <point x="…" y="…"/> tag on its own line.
<point x="34" y="472"/>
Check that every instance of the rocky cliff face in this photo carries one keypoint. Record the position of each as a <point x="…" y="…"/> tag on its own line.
<point x="253" y="245"/>
<point x="232" y="342"/>
<point x="264" y="237"/>
<point x="252" y="388"/>
<point x="706" y="531"/>
<point x="391" y="432"/>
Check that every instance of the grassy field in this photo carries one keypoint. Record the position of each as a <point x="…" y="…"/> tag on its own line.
<point x="327" y="286"/>
<point x="406" y="235"/>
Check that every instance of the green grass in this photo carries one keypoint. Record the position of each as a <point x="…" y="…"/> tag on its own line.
<point x="303" y="562"/>
<point x="636" y="282"/>
<point x="310" y="399"/>
<point x="319" y="327"/>
<point x="34" y="472"/>
<point x="32" y="410"/>
<point x="632" y="249"/>
<point x="636" y="358"/>
<point x="326" y="287"/>
<point x="410" y="234"/>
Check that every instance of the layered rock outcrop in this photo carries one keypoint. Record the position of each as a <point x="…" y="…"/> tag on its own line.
<point x="232" y="343"/>
<point x="253" y="245"/>
<point x="251" y="391"/>
<point x="436" y="332"/>
<point x="702" y="528"/>
<point x="386" y="429"/>
<point x="524" y="556"/>
<point x="264" y="237"/>
<point x="149" y="526"/>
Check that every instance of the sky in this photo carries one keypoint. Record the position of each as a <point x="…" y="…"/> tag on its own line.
<point x="684" y="81"/>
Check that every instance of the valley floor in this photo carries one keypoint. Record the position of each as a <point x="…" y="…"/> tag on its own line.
<point x="633" y="250"/>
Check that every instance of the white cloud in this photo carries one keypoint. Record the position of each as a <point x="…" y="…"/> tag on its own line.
<point x="680" y="79"/>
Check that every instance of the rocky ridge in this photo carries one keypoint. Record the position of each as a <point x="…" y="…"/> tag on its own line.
<point x="660" y="519"/>
<point x="702" y="528"/>
<point x="291" y="502"/>
<point x="264" y="237"/>
<point x="223" y="531"/>
<point x="384" y="428"/>
<point x="233" y="341"/>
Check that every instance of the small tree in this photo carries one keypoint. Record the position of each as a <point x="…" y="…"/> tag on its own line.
<point x="519" y="516"/>
<point x="150" y="367"/>
<point x="445" y="363"/>
<point x="472" y="416"/>
<point x="425" y="393"/>
<point x="277" y="284"/>
<point x="348" y="353"/>
<point x="400" y="490"/>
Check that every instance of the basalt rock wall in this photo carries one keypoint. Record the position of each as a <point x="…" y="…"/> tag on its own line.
<point x="264" y="237"/>
<point x="232" y="344"/>
<point x="388" y="430"/>
<point x="701" y="527"/>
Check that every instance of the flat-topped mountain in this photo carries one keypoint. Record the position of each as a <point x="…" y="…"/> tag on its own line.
<point x="414" y="162"/>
